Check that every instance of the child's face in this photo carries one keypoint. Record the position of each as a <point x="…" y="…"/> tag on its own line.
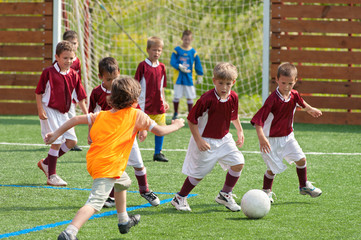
<point x="187" y="40"/>
<point x="108" y="78"/>
<point x="65" y="60"/>
<point x="285" y="84"/>
<point x="74" y="41"/>
<point x="223" y="87"/>
<point x="154" y="53"/>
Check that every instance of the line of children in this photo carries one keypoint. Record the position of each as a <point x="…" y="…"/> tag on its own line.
<point x="108" y="71"/>
<point x="182" y="60"/>
<point x="58" y="86"/>
<point x="112" y="134"/>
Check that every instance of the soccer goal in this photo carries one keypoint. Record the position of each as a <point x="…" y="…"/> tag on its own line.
<point x="224" y="30"/>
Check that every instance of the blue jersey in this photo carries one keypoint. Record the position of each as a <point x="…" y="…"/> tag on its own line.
<point x="187" y="58"/>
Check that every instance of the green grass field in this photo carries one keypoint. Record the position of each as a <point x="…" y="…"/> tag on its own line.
<point x="30" y="210"/>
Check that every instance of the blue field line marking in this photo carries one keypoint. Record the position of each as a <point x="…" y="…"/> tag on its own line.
<point x="95" y="216"/>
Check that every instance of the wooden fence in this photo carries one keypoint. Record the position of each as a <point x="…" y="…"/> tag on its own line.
<point x="323" y="39"/>
<point x="25" y="50"/>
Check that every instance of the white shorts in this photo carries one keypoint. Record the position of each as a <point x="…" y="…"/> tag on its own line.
<point x="54" y="121"/>
<point x="72" y="112"/>
<point x="282" y="148"/>
<point x="198" y="164"/>
<point x="135" y="158"/>
<point x="182" y="90"/>
<point x="103" y="186"/>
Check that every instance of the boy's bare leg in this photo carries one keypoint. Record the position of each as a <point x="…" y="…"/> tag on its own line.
<point x="82" y="216"/>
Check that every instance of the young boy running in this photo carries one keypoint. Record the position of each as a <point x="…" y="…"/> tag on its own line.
<point x="209" y="144"/>
<point x="183" y="58"/>
<point x="152" y="77"/>
<point x="112" y="134"/>
<point x="274" y="126"/>
<point x="108" y="71"/>
<point x="57" y="86"/>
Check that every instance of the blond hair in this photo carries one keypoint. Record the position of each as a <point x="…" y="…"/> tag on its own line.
<point x="225" y="71"/>
<point x="125" y="92"/>
<point x="63" y="46"/>
<point x="154" y="41"/>
<point x="287" y="70"/>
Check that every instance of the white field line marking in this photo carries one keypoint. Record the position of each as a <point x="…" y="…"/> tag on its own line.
<point x="184" y="150"/>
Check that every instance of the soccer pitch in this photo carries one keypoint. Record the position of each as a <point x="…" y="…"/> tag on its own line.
<point x="29" y="209"/>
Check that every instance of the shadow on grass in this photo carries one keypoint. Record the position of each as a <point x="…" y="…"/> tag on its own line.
<point x="26" y="150"/>
<point x="16" y="121"/>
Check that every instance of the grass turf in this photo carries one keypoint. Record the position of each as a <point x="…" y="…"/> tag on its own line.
<point x="334" y="215"/>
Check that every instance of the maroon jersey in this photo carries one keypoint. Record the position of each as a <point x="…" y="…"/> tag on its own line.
<point x="58" y="89"/>
<point x="213" y="114"/>
<point x="276" y="115"/>
<point x="98" y="99"/>
<point x="76" y="66"/>
<point x="152" y="80"/>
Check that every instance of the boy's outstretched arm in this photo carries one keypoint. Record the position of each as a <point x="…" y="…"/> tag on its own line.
<point x="263" y="142"/>
<point x="314" y="112"/>
<point x="201" y="143"/>
<point x="240" y="134"/>
<point x="166" y="129"/>
<point x="51" y="137"/>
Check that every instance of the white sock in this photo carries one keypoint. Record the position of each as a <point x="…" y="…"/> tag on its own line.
<point x="123" y="217"/>
<point x="72" y="230"/>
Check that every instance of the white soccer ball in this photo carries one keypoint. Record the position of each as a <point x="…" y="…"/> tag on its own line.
<point x="255" y="204"/>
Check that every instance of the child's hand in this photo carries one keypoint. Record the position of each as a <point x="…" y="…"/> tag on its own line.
<point x="199" y="80"/>
<point x="49" y="138"/>
<point x="264" y="145"/>
<point x="203" y="145"/>
<point x="314" y="112"/>
<point x="179" y="122"/>
<point x="184" y="69"/>
<point x="166" y="106"/>
<point x="240" y="140"/>
<point x="142" y="135"/>
<point x="42" y="114"/>
<point x="90" y="141"/>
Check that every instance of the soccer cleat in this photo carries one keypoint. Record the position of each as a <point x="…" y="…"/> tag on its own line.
<point x="76" y="148"/>
<point x="151" y="197"/>
<point x="160" y="157"/>
<point x="180" y="203"/>
<point x="110" y="202"/>
<point x="133" y="220"/>
<point x="227" y="200"/>
<point x="65" y="236"/>
<point x="175" y="116"/>
<point x="43" y="167"/>
<point x="310" y="190"/>
<point x="55" y="180"/>
<point x="270" y="194"/>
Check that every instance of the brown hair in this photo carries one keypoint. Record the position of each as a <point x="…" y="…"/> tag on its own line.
<point x="157" y="41"/>
<point x="107" y="64"/>
<point x="64" y="46"/>
<point x="70" y="35"/>
<point x="186" y="33"/>
<point x="287" y="70"/>
<point x="225" y="71"/>
<point x="125" y="92"/>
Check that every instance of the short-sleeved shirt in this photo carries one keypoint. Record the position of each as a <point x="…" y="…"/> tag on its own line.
<point x="152" y="79"/>
<point x="213" y="114"/>
<point x="113" y="135"/>
<point x="98" y="99"/>
<point x="277" y="113"/>
<point x="58" y="89"/>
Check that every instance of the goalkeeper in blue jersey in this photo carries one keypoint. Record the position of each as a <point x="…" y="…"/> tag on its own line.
<point x="183" y="58"/>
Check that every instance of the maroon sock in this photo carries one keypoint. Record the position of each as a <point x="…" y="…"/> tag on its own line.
<point x="267" y="182"/>
<point x="186" y="188"/>
<point x="229" y="183"/>
<point x="190" y="105"/>
<point x="61" y="153"/>
<point x="175" y="104"/>
<point x="51" y="164"/>
<point x="142" y="183"/>
<point x="111" y="194"/>
<point x="302" y="176"/>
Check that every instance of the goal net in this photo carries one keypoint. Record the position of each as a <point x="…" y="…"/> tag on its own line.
<point x="223" y="30"/>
